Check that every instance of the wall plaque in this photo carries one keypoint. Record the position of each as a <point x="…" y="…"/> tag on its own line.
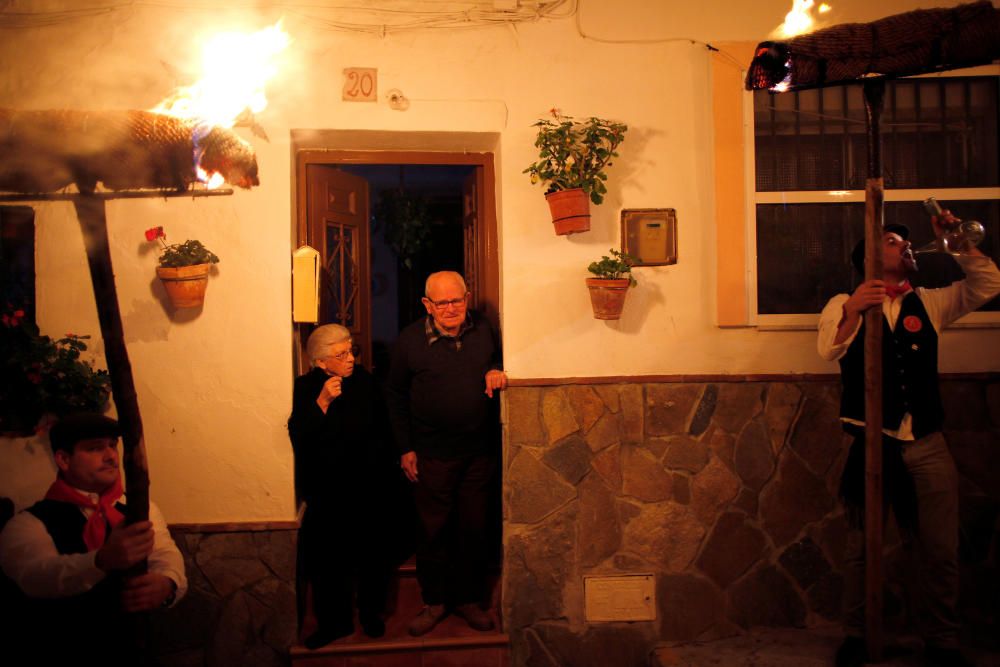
<point x="627" y="597"/>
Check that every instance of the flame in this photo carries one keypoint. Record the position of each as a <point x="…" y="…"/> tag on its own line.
<point x="211" y="181"/>
<point x="236" y="67"/>
<point x="225" y="92"/>
<point x="800" y="19"/>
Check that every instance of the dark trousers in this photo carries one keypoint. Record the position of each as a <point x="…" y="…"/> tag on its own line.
<point x="343" y="550"/>
<point x="934" y="549"/>
<point x="452" y="498"/>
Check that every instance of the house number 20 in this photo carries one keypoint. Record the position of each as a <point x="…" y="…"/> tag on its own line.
<point x="360" y="84"/>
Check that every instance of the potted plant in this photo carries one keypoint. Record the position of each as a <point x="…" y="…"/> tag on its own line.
<point x="183" y="269"/>
<point x="40" y="376"/>
<point x="573" y="156"/>
<point x="609" y="289"/>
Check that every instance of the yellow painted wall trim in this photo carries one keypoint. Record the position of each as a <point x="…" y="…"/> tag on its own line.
<point x="728" y="71"/>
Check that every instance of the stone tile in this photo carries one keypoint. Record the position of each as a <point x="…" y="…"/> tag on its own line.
<point x="753" y="457"/>
<point x="587" y="405"/>
<point x="226" y="573"/>
<point x="817" y="434"/>
<point x="570" y="458"/>
<point x="524" y="422"/>
<point x="831" y="535"/>
<point x="712" y="490"/>
<point x="606" y="432"/>
<point x="657" y="446"/>
<point x="738" y="403"/>
<point x="643" y="476"/>
<point x="533" y="490"/>
<point x="187" y="625"/>
<point x="723" y="445"/>
<point x="557" y="414"/>
<point x="687" y="605"/>
<point x="780" y="408"/>
<point x="608" y="465"/>
<point x="794" y="498"/>
<point x="537" y="564"/>
<point x="706" y="408"/>
<point x="669" y="407"/>
<point x="629" y="563"/>
<point x="610" y="394"/>
<point x="599" y="529"/>
<point x="682" y="489"/>
<point x="805" y="562"/>
<point x="232" y="634"/>
<point x="747" y="502"/>
<point x="732" y="548"/>
<point x="276" y="548"/>
<point x="826" y="596"/>
<point x="527" y="649"/>
<point x="633" y="411"/>
<point x="766" y="597"/>
<point x="665" y="533"/>
<point x="600" y="646"/>
<point x="685" y="453"/>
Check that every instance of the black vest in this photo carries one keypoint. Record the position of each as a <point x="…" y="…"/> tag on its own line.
<point x="66" y="629"/>
<point x="909" y="372"/>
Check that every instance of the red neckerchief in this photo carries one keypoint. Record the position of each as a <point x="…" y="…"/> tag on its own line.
<point x="104" y="511"/>
<point x="892" y="291"/>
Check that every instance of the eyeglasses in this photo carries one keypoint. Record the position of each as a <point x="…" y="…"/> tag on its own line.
<point x="353" y="352"/>
<point x="441" y="305"/>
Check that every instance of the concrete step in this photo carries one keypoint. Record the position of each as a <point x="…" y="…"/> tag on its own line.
<point x="451" y="644"/>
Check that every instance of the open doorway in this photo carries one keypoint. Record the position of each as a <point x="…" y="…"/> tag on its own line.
<point x="382" y="222"/>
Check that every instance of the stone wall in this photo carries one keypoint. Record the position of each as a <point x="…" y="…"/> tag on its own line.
<point x="240" y="608"/>
<point x="726" y="491"/>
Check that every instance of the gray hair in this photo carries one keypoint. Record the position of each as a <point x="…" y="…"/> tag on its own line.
<point x="323" y="338"/>
<point x="454" y="275"/>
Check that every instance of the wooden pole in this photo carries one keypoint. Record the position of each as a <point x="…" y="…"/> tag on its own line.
<point x="93" y="221"/>
<point x="873" y="93"/>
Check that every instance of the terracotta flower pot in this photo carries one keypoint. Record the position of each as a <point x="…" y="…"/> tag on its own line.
<point x="185" y="285"/>
<point x="608" y="297"/>
<point x="570" y="211"/>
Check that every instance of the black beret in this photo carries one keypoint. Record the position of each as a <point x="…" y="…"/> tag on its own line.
<point x="71" y="429"/>
<point x="858" y="254"/>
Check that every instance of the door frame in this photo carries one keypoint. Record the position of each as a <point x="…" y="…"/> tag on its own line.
<point x="487" y="286"/>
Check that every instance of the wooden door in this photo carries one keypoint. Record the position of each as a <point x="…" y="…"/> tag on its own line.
<point x="337" y="213"/>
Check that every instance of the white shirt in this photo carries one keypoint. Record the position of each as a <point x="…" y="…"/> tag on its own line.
<point x="944" y="305"/>
<point x="29" y="557"/>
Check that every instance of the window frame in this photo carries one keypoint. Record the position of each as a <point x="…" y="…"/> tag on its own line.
<point x="798" y="321"/>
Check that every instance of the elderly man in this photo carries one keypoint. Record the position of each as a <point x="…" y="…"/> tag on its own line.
<point x="442" y="381"/>
<point x="343" y="469"/>
<point x="921" y="483"/>
<point x="69" y="553"/>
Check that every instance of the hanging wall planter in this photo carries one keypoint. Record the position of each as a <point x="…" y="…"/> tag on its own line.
<point x="185" y="285"/>
<point x="183" y="269"/>
<point x="609" y="289"/>
<point x="607" y="297"/>
<point x="570" y="211"/>
<point x="572" y="158"/>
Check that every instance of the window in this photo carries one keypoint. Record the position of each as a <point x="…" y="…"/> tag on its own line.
<point x="17" y="260"/>
<point x="939" y="138"/>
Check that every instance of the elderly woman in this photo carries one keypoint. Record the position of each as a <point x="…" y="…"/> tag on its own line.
<point x="343" y="465"/>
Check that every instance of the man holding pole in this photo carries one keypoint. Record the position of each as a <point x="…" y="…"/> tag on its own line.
<point x="73" y="557"/>
<point x="920" y="480"/>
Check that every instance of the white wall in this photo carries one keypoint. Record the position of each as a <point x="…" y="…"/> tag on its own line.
<point x="215" y="388"/>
